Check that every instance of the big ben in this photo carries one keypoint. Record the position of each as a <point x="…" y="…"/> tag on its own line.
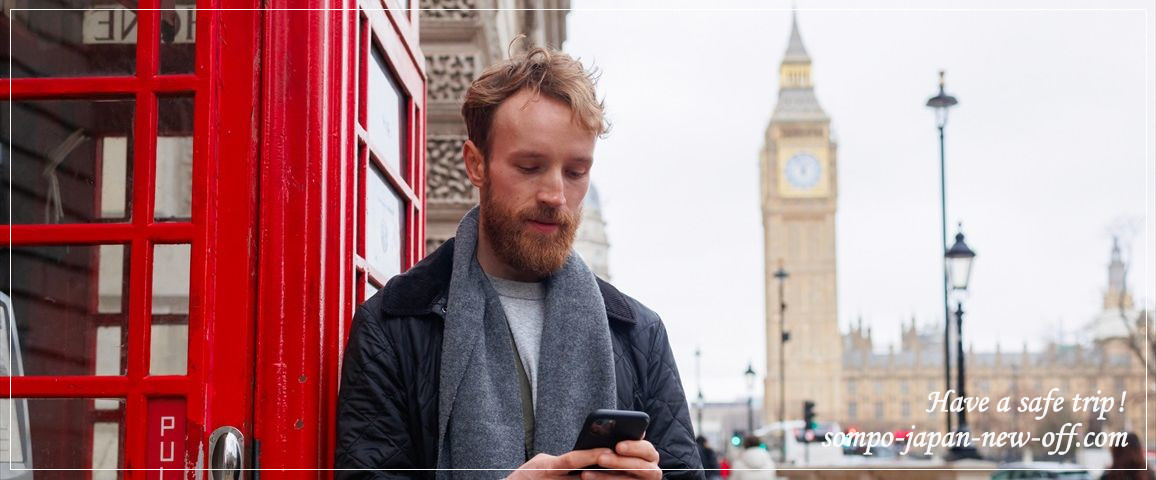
<point x="798" y="191"/>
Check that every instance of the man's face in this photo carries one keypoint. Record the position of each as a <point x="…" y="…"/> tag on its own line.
<point x="534" y="181"/>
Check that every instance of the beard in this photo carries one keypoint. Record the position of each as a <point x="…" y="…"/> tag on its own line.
<point x="539" y="254"/>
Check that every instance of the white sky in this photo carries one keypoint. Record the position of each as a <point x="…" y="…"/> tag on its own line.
<point x="1050" y="144"/>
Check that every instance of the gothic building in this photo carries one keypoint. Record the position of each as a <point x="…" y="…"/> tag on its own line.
<point x="889" y="391"/>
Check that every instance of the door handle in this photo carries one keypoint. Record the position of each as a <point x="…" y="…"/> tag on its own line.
<point x="226" y="454"/>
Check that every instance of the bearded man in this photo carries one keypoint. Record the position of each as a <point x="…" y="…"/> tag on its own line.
<point x="483" y="360"/>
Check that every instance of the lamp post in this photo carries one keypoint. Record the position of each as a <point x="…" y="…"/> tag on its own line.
<point x="698" y="378"/>
<point x="958" y="260"/>
<point x="941" y="103"/>
<point x="781" y="275"/>
<point x="750" y="377"/>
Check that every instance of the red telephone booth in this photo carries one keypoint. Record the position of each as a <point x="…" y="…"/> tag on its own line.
<point x="198" y="194"/>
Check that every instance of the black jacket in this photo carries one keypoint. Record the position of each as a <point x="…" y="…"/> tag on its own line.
<point x="387" y="408"/>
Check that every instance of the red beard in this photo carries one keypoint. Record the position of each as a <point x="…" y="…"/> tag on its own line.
<point x="524" y="249"/>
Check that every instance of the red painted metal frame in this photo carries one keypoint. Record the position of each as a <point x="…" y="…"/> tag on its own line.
<point x="218" y="383"/>
<point x="313" y="161"/>
<point x="227" y="349"/>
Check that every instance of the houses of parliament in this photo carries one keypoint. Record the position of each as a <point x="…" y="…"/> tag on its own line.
<point x="841" y="371"/>
<point x="889" y="391"/>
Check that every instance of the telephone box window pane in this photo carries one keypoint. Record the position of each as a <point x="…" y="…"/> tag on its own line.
<point x="71" y="160"/>
<point x="370" y="289"/>
<point x="178" y="38"/>
<point x="90" y="38"/>
<point x="174" y="180"/>
<point x="106" y="450"/>
<point x="54" y="320"/>
<point x="386" y="124"/>
<point x="169" y="337"/>
<point x="52" y="433"/>
<point x="108" y="350"/>
<point x="383" y="225"/>
<point x="13" y="435"/>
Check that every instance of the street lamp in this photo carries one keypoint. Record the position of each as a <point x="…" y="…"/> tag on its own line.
<point x="698" y="378"/>
<point x="750" y="377"/>
<point x="781" y="275"/>
<point x="957" y="261"/>
<point x="941" y="103"/>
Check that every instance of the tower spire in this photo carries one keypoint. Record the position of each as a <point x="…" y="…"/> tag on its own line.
<point x="1116" y="273"/>
<point x="796" y="52"/>
<point x="797" y="100"/>
<point x="1116" y="268"/>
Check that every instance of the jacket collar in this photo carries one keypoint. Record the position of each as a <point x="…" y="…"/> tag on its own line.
<point x="422" y="289"/>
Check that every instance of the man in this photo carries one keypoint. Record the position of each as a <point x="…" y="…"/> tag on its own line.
<point x="487" y="356"/>
<point x="709" y="459"/>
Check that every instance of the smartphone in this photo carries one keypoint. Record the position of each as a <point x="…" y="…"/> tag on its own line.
<point x="605" y="428"/>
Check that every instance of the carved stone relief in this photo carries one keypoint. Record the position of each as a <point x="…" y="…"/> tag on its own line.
<point x="450" y="75"/>
<point x="446" y="175"/>
<point x="432" y="243"/>
<point x="449" y="9"/>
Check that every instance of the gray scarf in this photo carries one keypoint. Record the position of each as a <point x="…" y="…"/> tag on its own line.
<point x="480" y="409"/>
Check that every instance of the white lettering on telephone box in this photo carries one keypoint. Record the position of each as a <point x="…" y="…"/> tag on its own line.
<point x="168" y="423"/>
<point x="171" y="455"/>
<point x="114" y="24"/>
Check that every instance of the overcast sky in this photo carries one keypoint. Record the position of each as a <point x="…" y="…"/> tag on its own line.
<point x="1051" y="144"/>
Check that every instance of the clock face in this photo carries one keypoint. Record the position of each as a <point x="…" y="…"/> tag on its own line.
<point x="803" y="170"/>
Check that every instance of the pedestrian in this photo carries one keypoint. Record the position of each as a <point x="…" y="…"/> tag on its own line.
<point x="490" y="352"/>
<point x="753" y="456"/>
<point x="709" y="458"/>
<point x="1129" y="455"/>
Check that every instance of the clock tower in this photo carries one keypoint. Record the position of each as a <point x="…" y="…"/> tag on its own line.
<point x="798" y="189"/>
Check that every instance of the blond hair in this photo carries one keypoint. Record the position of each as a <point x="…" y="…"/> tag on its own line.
<point x="544" y="71"/>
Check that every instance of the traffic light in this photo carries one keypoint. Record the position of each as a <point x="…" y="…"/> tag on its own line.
<point x="809" y="415"/>
<point x="736" y="438"/>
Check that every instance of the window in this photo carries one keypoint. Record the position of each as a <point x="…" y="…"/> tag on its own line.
<point x="385" y="123"/>
<point x="385" y="200"/>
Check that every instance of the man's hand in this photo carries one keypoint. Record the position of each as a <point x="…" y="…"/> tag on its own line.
<point x="634" y="458"/>
<point x="549" y="466"/>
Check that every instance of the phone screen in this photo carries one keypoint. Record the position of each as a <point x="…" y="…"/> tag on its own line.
<point x="605" y="428"/>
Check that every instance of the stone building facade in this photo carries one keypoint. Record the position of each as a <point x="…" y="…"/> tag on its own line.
<point x="460" y="38"/>
<point x="591" y="241"/>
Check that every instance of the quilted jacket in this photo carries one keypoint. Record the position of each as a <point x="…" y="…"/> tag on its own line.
<point x="387" y="408"/>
